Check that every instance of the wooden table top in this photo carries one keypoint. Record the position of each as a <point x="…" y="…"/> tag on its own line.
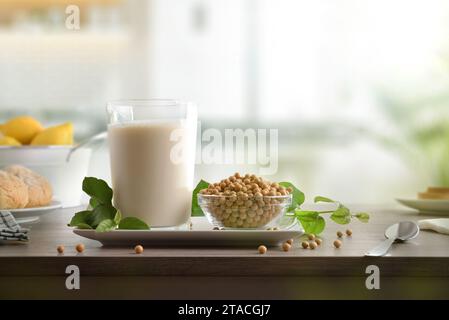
<point x="427" y="255"/>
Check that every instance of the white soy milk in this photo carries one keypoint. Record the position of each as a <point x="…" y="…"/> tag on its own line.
<point x="151" y="174"/>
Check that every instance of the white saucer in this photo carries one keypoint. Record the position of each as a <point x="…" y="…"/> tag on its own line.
<point x="27" y="215"/>
<point x="425" y="206"/>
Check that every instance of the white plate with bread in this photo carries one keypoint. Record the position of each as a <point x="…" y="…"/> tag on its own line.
<point x="36" y="211"/>
<point x="25" y="193"/>
<point x="433" y="201"/>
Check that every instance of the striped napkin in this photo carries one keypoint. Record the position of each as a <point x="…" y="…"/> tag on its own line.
<point x="10" y="230"/>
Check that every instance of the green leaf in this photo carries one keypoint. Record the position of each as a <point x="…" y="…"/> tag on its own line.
<point x="93" y="203"/>
<point x="363" y="217"/>
<point x="311" y="221"/>
<point x="342" y="215"/>
<point x="82" y="217"/>
<point x="103" y="216"/>
<point x="315" y="226"/>
<point x="297" y="196"/>
<point x="102" y="212"/>
<point x="97" y="189"/>
<point x="196" y="209"/>
<point x="106" y="225"/>
<point x="83" y="226"/>
<point x="117" y="217"/>
<point x="323" y="199"/>
<point x="131" y="223"/>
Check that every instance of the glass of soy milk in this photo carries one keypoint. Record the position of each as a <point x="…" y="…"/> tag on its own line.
<point x="152" y="150"/>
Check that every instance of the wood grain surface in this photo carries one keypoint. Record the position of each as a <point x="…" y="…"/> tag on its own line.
<point x="425" y="256"/>
<point x="418" y="269"/>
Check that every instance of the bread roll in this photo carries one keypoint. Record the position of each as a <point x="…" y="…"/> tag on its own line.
<point x="13" y="191"/>
<point x="39" y="189"/>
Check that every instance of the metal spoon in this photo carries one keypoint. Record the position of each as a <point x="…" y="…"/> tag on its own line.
<point x="98" y="137"/>
<point x="401" y="231"/>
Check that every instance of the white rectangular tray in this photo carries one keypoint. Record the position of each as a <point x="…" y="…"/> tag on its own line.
<point x="201" y="235"/>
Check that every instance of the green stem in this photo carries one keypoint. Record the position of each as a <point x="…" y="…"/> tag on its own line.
<point x="319" y="212"/>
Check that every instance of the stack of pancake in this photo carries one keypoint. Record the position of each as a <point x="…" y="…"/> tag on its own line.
<point x="435" y="193"/>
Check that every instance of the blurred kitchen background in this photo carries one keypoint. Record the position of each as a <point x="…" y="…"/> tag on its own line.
<point x="359" y="89"/>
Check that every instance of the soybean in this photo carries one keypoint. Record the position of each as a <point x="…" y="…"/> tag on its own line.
<point x="262" y="249"/>
<point x="337" y="244"/>
<point x="79" y="247"/>
<point x="138" y="249"/>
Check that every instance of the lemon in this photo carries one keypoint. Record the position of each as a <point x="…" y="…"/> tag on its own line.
<point x="23" y="129"/>
<point x="57" y="135"/>
<point x="9" y="141"/>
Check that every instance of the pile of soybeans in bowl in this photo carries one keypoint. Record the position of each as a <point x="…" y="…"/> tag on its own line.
<point x="247" y="201"/>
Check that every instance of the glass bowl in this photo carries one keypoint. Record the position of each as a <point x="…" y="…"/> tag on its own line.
<point x="243" y="211"/>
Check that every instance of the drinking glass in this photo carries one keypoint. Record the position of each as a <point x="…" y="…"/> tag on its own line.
<point x="152" y="154"/>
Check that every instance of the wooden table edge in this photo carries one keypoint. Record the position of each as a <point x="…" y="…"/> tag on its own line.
<point x="224" y="266"/>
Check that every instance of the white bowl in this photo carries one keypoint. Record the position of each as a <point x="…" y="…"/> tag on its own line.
<point x="66" y="177"/>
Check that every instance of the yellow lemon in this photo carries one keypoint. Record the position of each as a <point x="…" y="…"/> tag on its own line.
<point x="23" y="129"/>
<point x="9" y="141"/>
<point x="58" y="135"/>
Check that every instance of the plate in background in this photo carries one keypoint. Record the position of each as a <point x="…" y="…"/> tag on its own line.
<point x="425" y="206"/>
<point x="26" y="215"/>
